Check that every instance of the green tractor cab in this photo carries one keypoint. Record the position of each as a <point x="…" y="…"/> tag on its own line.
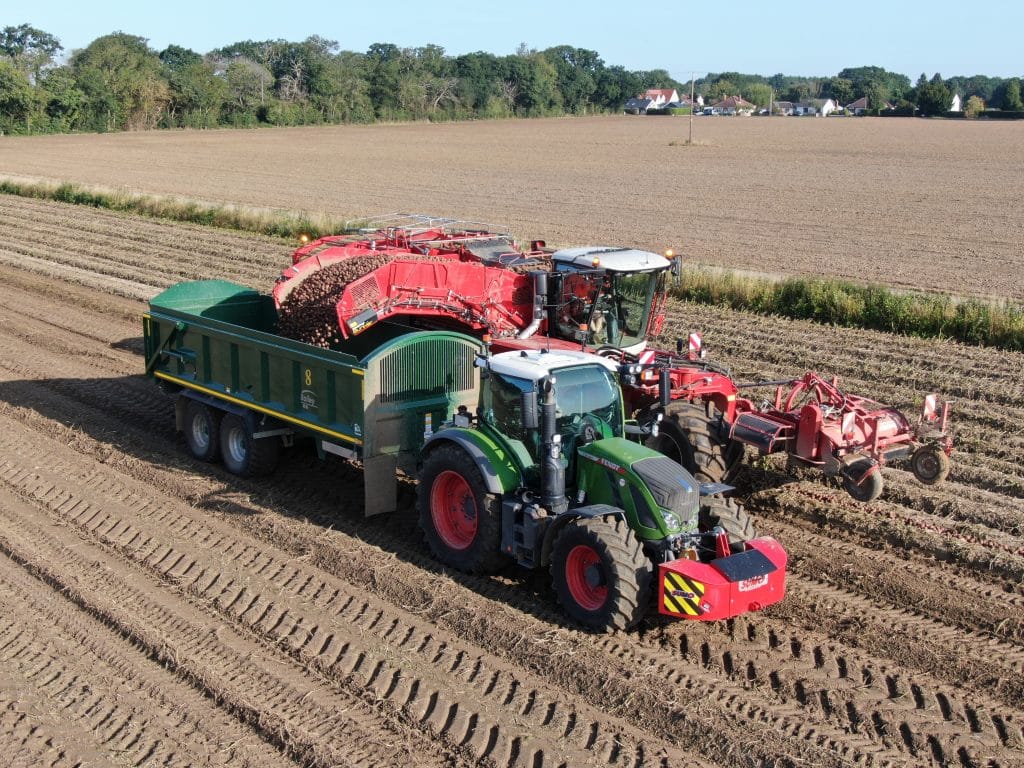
<point x="543" y="476"/>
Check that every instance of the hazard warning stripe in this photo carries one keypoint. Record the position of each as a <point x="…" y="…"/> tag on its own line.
<point x="679" y="603"/>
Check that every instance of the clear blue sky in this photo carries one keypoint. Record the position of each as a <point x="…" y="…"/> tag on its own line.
<point x="798" y="37"/>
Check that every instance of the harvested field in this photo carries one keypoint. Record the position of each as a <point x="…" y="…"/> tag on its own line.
<point x="924" y="204"/>
<point x="158" y="610"/>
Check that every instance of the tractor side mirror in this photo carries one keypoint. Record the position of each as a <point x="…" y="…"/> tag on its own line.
<point x="531" y="415"/>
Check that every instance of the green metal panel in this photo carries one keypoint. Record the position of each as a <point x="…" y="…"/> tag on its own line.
<point x="413" y="383"/>
<point x="376" y="394"/>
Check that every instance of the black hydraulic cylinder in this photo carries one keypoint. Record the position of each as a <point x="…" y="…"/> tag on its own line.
<point x="665" y="387"/>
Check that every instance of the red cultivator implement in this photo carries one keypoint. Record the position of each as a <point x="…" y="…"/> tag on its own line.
<point x="817" y="424"/>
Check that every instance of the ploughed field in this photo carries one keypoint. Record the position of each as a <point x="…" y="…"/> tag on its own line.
<point x="161" y="611"/>
<point x="924" y="204"/>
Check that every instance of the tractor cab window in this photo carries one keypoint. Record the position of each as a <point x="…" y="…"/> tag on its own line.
<point x="503" y="407"/>
<point x="612" y="307"/>
<point x="589" y="405"/>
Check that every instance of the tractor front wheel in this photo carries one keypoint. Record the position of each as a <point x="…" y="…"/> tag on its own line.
<point x="730" y="515"/>
<point x="600" y="574"/>
<point x="860" y="485"/>
<point x="691" y="437"/>
<point x="459" y="519"/>
<point x="930" y="464"/>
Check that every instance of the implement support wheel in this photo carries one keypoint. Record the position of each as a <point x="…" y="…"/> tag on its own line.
<point x="930" y="464"/>
<point x="860" y="485"/>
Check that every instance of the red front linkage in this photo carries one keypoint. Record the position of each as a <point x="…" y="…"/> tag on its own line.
<point x="728" y="586"/>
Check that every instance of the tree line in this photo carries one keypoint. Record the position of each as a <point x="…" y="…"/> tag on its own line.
<point x="118" y="82"/>
<point x="928" y="96"/>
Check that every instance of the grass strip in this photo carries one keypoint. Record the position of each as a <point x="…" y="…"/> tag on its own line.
<point x="997" y="324"/>
<point x="264" y="221"/>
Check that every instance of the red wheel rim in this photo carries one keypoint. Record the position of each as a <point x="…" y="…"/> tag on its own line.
<point x="584" y="577"/>
<point x="453" y="510"/>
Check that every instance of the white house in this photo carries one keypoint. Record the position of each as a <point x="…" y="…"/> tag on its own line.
<point x="955" y="106"/>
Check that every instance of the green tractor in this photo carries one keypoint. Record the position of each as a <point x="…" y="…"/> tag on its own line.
<point x="543" y="476"/>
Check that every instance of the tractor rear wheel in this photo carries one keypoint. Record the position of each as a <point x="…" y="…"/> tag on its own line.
<point x="690" y="436"/>
<point x="244" y="454"/>
<point x="730" y="515"/>
<point x="459" y="519"/>
<point x="930" y="464"/>
<point x="869" y="488"/>
<point x="202" y="430"/>
<point x="600" y="574"/>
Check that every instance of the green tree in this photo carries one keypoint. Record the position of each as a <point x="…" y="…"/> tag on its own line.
<point x="341" y="90"/>
<point x="197" y="95"/>
<point x="975" y="106"/>
<point x="123" y="83"/>
<point x="249" y="86"/>
<point x="758" y="93"/>
<point x="31" y="50"/>
<point x="576" y="72"/>
<point x="18" y="101"/>
<point x="933" y="97"/>
<point x="532" y="82"/>
<point x="1011" y="96"/>
<point x="839" y="89"/>
<point x="174" y="57"/>
<point x="62" y="99"/>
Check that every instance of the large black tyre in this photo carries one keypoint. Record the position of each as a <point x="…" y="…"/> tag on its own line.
<point x="460" y="521"/>
<point x="930" y="464"/>
<point x="690" y="436"/>
<point x="869" y="488"/>
<point x="202" y="430"/>
<point x="730" y="515"/>
<point x="242" y="453"/>
<point x="600" y="574"/>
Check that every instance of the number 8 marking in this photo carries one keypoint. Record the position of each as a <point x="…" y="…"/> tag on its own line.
<point x="309" y="377"/>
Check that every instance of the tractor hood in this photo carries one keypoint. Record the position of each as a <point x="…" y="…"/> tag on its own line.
<point x="663" y="497"/>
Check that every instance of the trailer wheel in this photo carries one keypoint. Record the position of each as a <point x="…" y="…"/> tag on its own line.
<point x="730" y="515"/>
<point x="930" y="464"/>
<point x="459" y="519"/>
<point x="870" y="488"/>
<point x="202" y="430"/>
<point x="242" y="453"/>
<point x="690" y="437"/>
<point x="600" y="574"/>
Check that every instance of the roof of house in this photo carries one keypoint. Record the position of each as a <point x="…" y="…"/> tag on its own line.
<point x="861" y="103"/>
<point x="667" y="93"/>
<point x="639" y="103"/>
<point x="733" y="102"/>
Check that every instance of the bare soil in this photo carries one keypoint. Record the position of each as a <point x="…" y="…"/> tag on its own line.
<point x="156" y="610"/>
<point x="923" y="204"/>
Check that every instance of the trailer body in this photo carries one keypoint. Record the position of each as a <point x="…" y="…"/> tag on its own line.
<point x="376" y="402"/>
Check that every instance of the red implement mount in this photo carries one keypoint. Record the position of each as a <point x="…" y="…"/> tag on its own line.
<point x="432" y="272"/>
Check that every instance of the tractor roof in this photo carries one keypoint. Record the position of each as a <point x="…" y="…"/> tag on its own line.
<point x="536" y="364"/>
<point x="611" y="258"/>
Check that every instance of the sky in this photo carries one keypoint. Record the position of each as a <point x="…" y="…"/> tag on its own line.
<point x="793" y="37"/>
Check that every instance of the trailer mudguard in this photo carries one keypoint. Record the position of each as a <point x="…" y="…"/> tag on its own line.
<point x="725" y="587"/>
<point x="497" y="467"/>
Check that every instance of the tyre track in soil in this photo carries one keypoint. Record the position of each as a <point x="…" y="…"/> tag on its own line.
<point x="250" y="680"/>
<point x="327" y="625"/>
<point x="852" y="712"/>
<point x="90" y="694"/>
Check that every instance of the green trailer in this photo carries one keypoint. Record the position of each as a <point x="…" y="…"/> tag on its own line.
<point x="243" y="391"/>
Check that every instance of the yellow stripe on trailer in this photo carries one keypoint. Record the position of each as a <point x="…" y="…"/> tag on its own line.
<point x="257" y="407"/>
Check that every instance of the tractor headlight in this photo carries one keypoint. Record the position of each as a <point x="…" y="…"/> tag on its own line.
<point x="671" y="521"/>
